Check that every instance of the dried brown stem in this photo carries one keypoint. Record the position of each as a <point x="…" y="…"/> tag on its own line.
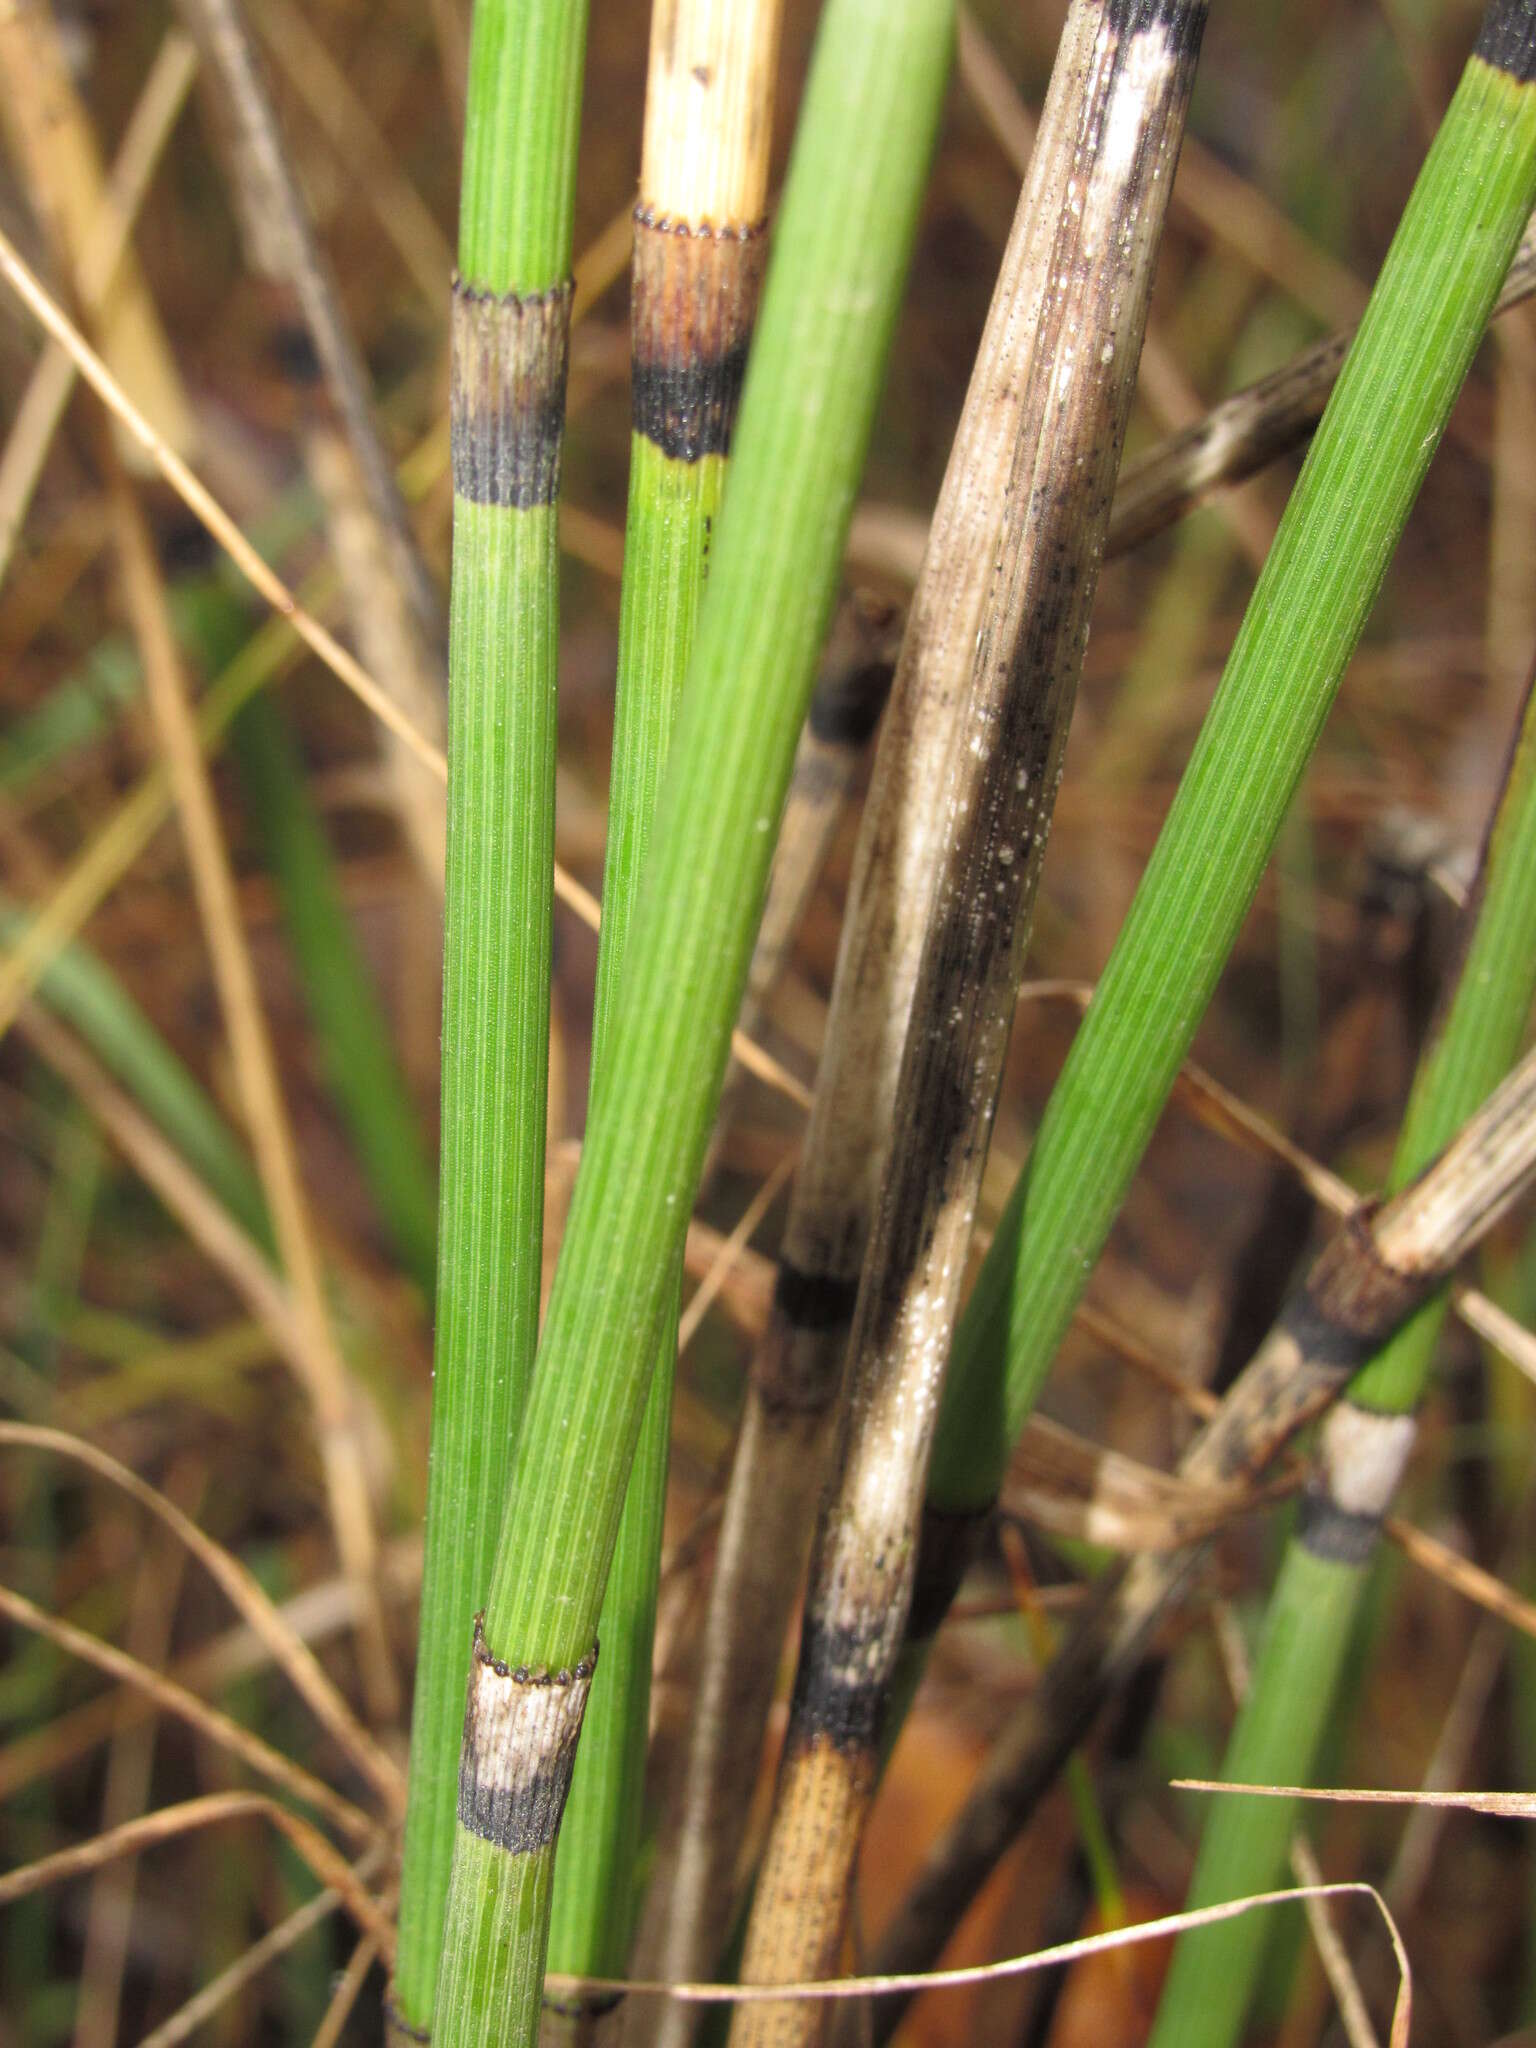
<point x="782" y="1446"/>
<point x="1077" y="279"/>
<point x="1251" y="429"/>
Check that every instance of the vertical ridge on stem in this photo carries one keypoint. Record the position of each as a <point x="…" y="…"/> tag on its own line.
<point x="700" y="245"/>
<point x="511" y="319"/>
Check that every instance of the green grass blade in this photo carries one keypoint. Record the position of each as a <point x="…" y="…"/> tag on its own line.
<point x="511" y="323"/>
<point x="840" y="257"/>
<point x="358" y="1060"/>
<point x="85" y="993"/>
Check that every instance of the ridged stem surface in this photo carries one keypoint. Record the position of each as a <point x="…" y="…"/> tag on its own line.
<point x="510" y="331"/>
<point x="841" y="251"/>
<point x="1425" y="318"/>
<point x="699" y="243"/>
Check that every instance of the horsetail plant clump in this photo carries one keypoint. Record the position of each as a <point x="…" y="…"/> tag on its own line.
<point x="511" y="310"/>
<point x="1365" y="1444"/>
<point x="1426" y="315"/>
<point x="1405" y="367"/>
<point x="840" y="256"/>
<point x="699" y="246"/>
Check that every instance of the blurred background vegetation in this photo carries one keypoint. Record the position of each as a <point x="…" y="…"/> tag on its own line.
<point x="118" y="1324"/>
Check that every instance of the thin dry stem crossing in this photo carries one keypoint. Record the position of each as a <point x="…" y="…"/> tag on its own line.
<point x="42" y="404"/>
<point x="336" y="1418"/>
<point x="266" y="1621"/>
<point x="1372" y="1275"/>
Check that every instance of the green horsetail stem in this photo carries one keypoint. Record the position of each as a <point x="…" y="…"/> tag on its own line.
<point x="699" y="247"/>
<point x="839" y="263"/>
<point x="1362" y="474"/>
<point x="511" y="314"/>
<point x="1365" y="1443"/>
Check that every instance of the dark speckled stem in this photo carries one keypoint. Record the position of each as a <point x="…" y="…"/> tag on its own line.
<point x="1078" y="278"/>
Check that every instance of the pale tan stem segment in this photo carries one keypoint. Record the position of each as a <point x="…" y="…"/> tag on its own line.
<point x="708" y="109"/>
<point x="520" y="1732"/>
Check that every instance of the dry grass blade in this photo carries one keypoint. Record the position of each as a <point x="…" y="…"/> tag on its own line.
<point x="1304" y="1864"/>
<point x="720" y="1268"/>
<point x="1505" y="1805"/>
<point x="53" y="146"/>
<point x="230" y="1982"/>
<point x="319" y="1614"/>
<point x="282" y="240"/>
<point x="327" y="92"/>
<point x="239" y="1742"/>
<point x="287" y="1650"/>
<point x="210" y="1811"/>
<point x="392" y="601"/>
<point x="336" y="1415"/>
<point x="897" y="1983"/>
<point x="162" y="1168"/>
<point x="1484" y="1589"/>
<point x="1062" y="1482"/>
<point x="1331" y="1951"/>
<point x="42" y="405"/>
<point x="348" y="1990"/>
<point x="205" y="507"/>
<point x="126" y="1791"/>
